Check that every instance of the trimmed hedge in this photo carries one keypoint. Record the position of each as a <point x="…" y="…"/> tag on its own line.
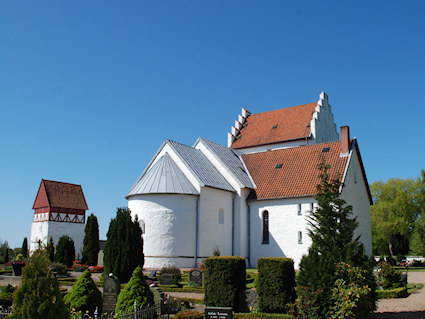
<point x="189" y="314"/>
<point x="276" y="284"/>
<point x="260" y="315"/>
<point x="393" y="293"/>
<point x="6" y="299"/>
<point x="224" y="281"/>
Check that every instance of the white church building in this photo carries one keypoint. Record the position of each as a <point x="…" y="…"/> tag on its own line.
<point x="251" y="198"/>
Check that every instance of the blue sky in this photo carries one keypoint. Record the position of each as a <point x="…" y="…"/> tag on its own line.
<point x="90" y="89"/>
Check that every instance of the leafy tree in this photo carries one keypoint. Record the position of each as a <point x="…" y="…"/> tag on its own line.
<point x="393" y="215"/>
<point x="4" y="250"/>
<point x="65" y="251"/>
<point x="84" y="295"/>
<point x="50" y="248"/>
<point x="38" y="296"/>
<point x="332" y="232"/>
<point x="91" y="241"/>
<point x="136" y="289"/>
<point x="124" y="245"/>
<point x="24" y="250"/>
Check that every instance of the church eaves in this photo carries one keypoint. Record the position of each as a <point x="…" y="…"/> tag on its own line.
<point x="164" y="177"/>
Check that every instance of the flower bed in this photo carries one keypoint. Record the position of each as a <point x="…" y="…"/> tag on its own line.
<point x="79" y="267"/>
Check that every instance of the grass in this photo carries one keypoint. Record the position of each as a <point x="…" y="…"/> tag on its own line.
<point x="411" y="288"/>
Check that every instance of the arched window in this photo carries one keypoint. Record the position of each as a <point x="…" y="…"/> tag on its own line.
<point x="265" y="219"/>
<point x="221" y="216"/>
<point x="142" y="225"/>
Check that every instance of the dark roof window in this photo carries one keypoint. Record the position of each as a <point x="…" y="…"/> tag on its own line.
<point x="325" y="149"/>
<point x="275" y="126"/>
<point x="279" y="165"/>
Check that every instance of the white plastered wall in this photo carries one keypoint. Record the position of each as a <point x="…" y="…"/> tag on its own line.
<point x="169" y="228"/>
<point x="212" y="234"/>
<point x="355" y="194"/>
<point x="323" y="127"/>
<point x="284" y="225"/>
<point x="44" y="230"/>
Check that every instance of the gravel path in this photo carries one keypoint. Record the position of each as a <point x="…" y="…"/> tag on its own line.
<point x="412" y="307"/>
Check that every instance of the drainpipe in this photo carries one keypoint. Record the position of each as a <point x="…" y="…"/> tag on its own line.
<point x="249" y="234"/>
<point x="197" y="231"/>
<point x="233" y="224"/>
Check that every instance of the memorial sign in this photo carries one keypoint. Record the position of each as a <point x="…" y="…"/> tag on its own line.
<point x="218" y="313"/>
<point x="196" y="276"/>
<point x="111" y="289"/>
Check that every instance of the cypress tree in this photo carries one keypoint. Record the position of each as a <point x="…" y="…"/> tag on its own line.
<point x="24" y="250"/>
<point x="332" y="232"/>
<point x="91" y="241"/>
<point x="50" y="249"/>
<point x="124" y="245"/>
<point x="65" y="251"/>
<point x="38" y="296"/>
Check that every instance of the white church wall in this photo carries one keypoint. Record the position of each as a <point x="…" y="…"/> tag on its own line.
<point x="215" y="231"/>
<point x="169" y="228"/>
<point x="39" y="232"/>
<point x="74" y="230"/>
<point x="355" y="194"/>
<point x="285" y="224"/>
<point x="44" y="230"/>
<point x="241" y="224"/>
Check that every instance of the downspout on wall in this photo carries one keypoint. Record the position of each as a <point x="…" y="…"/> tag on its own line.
<point x="233" y="224"/>
<point x="196" y="231"/>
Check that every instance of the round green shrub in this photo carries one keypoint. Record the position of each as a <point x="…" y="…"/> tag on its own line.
<point x="189" y="314"/>
<point x="84" y="295"/>
<point x="136" y="289"/>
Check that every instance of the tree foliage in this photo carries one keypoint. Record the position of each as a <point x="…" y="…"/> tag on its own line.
<point x="65" y="251"/>
<point x="393" y="214"/>
<point x="38" y="296"/>
<point x="124" y="246"/>
<point x="84" y="295"/>
<point x="50" y="249"/>
<point x="136" y="289"/>
<point x="91" y="241"/>
<point x="24" y="250"/>
<point x="332" y="229"/>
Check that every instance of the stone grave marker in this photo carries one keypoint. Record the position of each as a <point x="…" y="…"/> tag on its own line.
<point x="111" y="289"/>
<point x="197" y="276"/>
<point x="218" y="313"/>
<point x="167" y="279"/>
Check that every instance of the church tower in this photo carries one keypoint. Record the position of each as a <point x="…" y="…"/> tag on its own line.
<point x="59" y="209"/>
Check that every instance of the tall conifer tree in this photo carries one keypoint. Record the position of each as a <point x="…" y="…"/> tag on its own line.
<point x="124" y="246"/>
<point x="50" y="249"/>
<point x="65" y="251"/>
<point x="91" y="241"/>
<point x="332" y="232"/>
<point x="38" y="296"/>
<point x="24" y="250"/>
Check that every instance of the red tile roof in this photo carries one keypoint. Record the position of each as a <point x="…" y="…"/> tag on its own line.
<point x="292" y="124"/>
<point x="60" y="195"/>
<point x="299" y="173"/>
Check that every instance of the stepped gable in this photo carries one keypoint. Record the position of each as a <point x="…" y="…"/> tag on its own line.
<point x="293" y="172"/>
<point x="60" y="195"/>
<point x="288" y="124"/>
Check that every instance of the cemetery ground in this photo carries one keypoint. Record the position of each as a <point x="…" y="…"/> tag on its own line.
<point x="412" y="307"/>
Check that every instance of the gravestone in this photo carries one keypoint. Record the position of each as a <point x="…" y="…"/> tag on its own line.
<point x="111" y="289"/>
<point x="196" y="276"/>
<point x="218" y="313"/>
<point x="167" y="279"/>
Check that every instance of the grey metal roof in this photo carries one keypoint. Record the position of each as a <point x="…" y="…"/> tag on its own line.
<point x="231" y="160"/>
<point x="201" y="166"/>
<point x="164" y="177"/>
